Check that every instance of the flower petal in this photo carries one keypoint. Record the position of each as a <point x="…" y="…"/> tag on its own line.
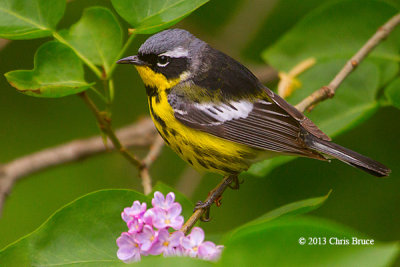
<point x="175" y="210"/>
<point x="169" y="199"/>
<point x="163" y="235"/>
<point x="175" y="238"/>
<point x="176" y="223"/>
<point x="197" y="235"/>
<point x="186" y="243"/>
<point x="157" y="248"/>
<point x="158" y="199"/>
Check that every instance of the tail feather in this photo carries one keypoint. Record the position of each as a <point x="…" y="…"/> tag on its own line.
<point x="347" y="156"/>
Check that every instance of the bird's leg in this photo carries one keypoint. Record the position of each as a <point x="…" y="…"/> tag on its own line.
<point x="214" y="196"/>
<point x="202" y="209"/>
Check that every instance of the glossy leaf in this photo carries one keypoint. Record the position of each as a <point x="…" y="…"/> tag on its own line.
<point x="97" y="36"/>
<point x="392" y="92"/>
<point x="277" y="244"/>
<point x="328" y="35"/>
<point x="187" y="205"/>
<point x="154" y="15"/>
<point x="332" y="42"/>
<point x="263" y="168"/>
<point x="83" y="233"/>
<point x="21" y="19"/>
<point x="152" y="261"/>
<point x="57" y="72"/>
<point x="291" y="209"/>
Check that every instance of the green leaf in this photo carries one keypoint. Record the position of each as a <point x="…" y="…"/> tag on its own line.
<point x="291" y="209"/>
<point x="152" y="261"/>
<point x="57" y="72"/>
<point x="154" y="15"/>
<point x="392" y="92"/>
<point x="277" y="244"/>
<point x="83" y="233"/>
<point x="331" y="41"/>
<point x="336" y="30"/>
<point x="263" y="168"/>
<point x="97" y="36"/>
<point x="21" y="19"/>
<point x="353" y="102"/>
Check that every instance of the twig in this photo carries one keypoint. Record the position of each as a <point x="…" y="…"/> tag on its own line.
<point x="139" y="134"/>
<point x="329" y="90"/>
<point x="105" y="125"/>
<point x="154" y="151"/>
<point x="321" y="94"/>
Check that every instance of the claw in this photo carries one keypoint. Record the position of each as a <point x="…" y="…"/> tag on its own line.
<point x="218" y="201"/>
<point x="236" y="183"/>
<point x="215" y="196"/>
<point x="206" y="216"/>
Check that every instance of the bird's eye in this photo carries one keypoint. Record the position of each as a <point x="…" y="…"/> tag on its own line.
<point x="162" y="61"/>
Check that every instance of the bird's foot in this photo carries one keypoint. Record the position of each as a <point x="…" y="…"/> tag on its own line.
<point x="235" y="183"/>
<point x="215" y="196"/>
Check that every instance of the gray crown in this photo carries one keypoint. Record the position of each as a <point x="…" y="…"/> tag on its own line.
<point x="167" y="40"/>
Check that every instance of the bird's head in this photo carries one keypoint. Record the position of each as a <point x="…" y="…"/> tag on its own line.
<point x="165" y="58"/>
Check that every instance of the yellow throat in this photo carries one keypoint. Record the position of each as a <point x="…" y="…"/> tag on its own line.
<point x="155" y="80"/>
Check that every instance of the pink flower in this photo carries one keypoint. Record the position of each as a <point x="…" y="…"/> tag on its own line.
<point x="209" y="251"/>
<point x="167" y="243"/>
<point x="128" y="249"/>
<point x="146" y="238"/>
<point x="136" y="211"/>
<point x="135" y="225"/>
<point x="192" y="242"/>
<point x="148" y="232"/>
<point x="169" y="218"/>
<point x="149" y="216"/>
<point x="163" y="203"/>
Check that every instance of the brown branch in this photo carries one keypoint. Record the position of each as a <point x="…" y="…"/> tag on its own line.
<point x="154" y="151"/>
<point x="324" y="93"/>
<point x="328" y="91"/>
<point x="139" y="134"/>
<point x="105" y="125"/>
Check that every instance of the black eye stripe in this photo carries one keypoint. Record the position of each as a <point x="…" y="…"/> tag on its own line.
<point x="173" y="69"/>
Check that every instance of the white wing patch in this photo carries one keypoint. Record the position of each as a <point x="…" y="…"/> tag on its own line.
<point x="224" y="112"/>
<point x="176" y="52"/>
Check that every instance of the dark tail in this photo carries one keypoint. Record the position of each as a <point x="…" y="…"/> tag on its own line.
<point x="347" y="156"/>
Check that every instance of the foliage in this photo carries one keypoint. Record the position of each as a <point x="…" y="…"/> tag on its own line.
<point x="83" y="232"/>
<point x="358" y="96"/>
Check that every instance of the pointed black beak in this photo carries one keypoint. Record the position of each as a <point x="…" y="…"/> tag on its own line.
<point x="132" y="60"/>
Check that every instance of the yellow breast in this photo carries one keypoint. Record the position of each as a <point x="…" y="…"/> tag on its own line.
<point x="202" y="150"/>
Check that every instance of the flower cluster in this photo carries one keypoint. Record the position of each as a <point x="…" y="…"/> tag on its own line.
<point x="149" y="233"/>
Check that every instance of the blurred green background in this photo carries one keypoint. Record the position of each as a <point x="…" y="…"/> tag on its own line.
<point x="368" y="204"/>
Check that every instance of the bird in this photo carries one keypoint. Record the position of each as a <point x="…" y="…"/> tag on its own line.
<point x="217" y="116"/>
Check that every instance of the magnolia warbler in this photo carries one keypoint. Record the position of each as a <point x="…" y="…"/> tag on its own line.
<point x="214" y="113"/>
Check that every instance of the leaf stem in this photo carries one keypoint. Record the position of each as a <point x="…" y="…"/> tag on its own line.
<point x="105" y="100"/>
<point x="96" y="70"/>
<point x="105" y="126"/>
<point x="111" y="90"/>
<point x="121" y="53"/>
